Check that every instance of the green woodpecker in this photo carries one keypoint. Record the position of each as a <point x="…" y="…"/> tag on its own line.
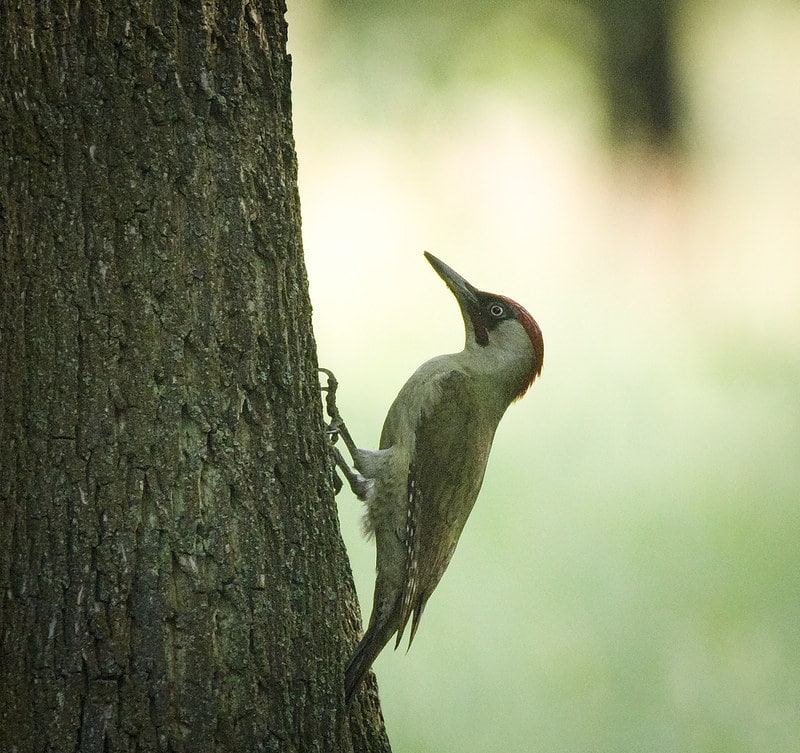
<point x="420" y="486"/>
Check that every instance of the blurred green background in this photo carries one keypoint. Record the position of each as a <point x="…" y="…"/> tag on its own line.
<point x="630" y="577"/>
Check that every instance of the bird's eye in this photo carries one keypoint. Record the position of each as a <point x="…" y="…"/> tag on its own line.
<point x="496" y="310"/>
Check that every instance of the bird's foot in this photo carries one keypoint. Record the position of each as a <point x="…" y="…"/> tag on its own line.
<point x="359" y="485"/>
<point x="336" y="428"/>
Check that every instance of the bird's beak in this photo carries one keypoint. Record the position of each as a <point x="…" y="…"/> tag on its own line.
<point x="466" y="294"/>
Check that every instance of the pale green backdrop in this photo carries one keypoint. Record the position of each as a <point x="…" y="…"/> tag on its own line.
<point x="630" y="578"/>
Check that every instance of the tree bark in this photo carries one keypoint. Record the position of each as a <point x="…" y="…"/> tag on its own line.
<point x="171" y="570"/>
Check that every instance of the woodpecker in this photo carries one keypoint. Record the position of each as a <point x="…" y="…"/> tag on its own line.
<point x="421" y="484"/>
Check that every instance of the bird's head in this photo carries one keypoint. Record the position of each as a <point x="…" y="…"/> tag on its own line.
<point x="498" y="329"/>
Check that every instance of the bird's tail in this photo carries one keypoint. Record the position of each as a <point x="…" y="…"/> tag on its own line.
<point x="376" y="637"/>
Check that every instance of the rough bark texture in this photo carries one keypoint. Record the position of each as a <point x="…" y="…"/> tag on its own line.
<point x="171" y="572"/>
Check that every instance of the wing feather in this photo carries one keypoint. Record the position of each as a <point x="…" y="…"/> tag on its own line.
<point x="448" y="460"/>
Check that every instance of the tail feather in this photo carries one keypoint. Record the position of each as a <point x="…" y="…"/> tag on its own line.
<point x="411" y="611"/>
<point x="376" y="637"/>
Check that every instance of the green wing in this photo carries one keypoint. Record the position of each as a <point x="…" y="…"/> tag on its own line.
<point x="453" y="439"/>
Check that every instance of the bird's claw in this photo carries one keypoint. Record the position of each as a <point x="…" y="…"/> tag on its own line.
<point x="335" y="429"/>
<point x="330" y="388"/>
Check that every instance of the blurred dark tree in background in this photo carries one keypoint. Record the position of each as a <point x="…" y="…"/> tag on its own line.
<point x="639" y="77"/>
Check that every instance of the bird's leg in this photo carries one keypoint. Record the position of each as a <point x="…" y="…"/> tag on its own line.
<point x="335" y="429"/>
<point x="358" y="484"/>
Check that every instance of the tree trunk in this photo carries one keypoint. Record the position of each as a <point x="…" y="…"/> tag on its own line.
<point x="640" y="79"/>
<point x="171" y="571"/>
